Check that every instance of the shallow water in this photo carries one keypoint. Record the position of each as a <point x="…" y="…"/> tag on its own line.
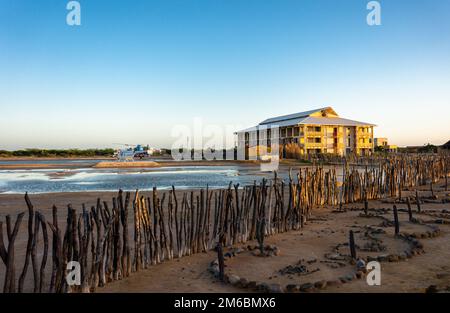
<point x="89" y="179"/>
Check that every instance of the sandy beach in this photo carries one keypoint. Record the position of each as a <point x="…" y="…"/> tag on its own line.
<point x="312" y="245"/>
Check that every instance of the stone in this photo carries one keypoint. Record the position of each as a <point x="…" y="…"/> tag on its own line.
<point x="244" y="282"/>
<point x="256" y="252"/>
<point x="393" y="258"/>
<point x="307" y="287"/>
<point x="332" y="283"/>
<point x="350" y="277"/>
<point x="234" y="279"/>
<point x="431" y="289"/>
<point x="275" y="288"/>
<point x="321" y="284"/>
<point x="359" y="274"/>
<point x="252" y="284"/>
<point x="292" y="288"/>
<point x="263" y="287"/>
<point x="360" y="264"/>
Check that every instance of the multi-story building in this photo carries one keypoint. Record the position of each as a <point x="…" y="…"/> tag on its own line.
<point x="315" y="131"/>
<point x="383" y="144"/>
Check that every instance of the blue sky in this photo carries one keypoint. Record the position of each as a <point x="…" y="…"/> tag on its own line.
<point x="134" y="69"/>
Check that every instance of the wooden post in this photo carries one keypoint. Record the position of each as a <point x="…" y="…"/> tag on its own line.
<point x="352" y="245"/>
<point x="397" y="226"/>
<point x="8" y="254"/>
<point x="221" y="260"/>
<point x="408" y="202"/>
<point x="418" y="201"/>
<point x="29" y="242"/>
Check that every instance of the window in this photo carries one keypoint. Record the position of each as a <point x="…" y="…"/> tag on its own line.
<point x="289" y="132"/>
<point x="317" y="140"/>
<point x="317" y="129"/>
<point x="296" y="131"/>
<point x="283" y="132"/>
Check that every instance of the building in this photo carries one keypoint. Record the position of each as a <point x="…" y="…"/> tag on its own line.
<point x="311" y="132"/>
<point x="382" y="144"/>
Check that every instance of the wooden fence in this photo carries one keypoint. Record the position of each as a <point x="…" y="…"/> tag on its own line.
<point x="111" y="240"/>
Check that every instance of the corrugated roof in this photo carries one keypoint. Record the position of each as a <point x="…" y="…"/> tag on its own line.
<point x="305" y="118"/>
<point x="292" y="116"/>
<point x="334" y="121"/>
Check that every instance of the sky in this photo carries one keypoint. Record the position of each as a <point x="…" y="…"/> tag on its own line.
<point x="135" y="70"/>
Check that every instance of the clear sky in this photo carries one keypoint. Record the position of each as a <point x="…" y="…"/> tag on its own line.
<point x="134" y="69"/>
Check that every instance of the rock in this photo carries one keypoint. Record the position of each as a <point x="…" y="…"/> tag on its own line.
<point x="244" y="282"/>
<point x="256" y="252"/>
<point x="350" y="277"/>
<point x="431" y="289"/>
<point x="292" y="288"/>
<point x="382" y="258"/>
<point x="234" y="279"/>
<point x="263" y="287"/>
<point x="307" y="287"/>
<point x="252" y="284"/>
<point x="214" y="269"/>
<point x="228" y="255"/>
<point x="332" y="283"/>
<point x="393" y="258"/>
<point x="275" y="288"/>
<point x="321" y="284"/>
<point x="360" y="264"/>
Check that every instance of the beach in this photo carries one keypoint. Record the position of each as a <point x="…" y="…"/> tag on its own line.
<point x="326" y="229"/>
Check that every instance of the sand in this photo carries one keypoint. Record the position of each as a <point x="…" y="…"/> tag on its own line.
<point x="321" y="234"/>
<point x="139" y="164"/>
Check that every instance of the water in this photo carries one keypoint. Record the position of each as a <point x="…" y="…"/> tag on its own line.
<point x="90" y="179"/>
<point x="50" y="161"/>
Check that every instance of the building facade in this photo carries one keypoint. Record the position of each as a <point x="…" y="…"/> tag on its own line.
<point x="311" y="132"/>
<point x="383" y="144"/>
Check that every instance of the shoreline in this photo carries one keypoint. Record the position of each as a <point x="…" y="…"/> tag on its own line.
<point x="147" y="163"/>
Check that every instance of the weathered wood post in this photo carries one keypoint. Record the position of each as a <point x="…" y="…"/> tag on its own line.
<point x="29" y="242"/>
<point x="408" y="203"/>
<point x="352" y="245"/>
<point x="221" y="260"/>
<point x="418" y="201"/>
<point x="8" y="254"/>
<point x="396" y="223"/>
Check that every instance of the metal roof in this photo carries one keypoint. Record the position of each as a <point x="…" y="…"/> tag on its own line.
<point x="305" y="118"/>
<point x="292" y="116"/>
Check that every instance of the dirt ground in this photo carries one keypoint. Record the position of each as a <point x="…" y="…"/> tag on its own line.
<point x="313" y="247"/>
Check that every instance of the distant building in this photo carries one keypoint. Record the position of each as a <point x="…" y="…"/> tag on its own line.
<point x="383" y="144"/>
<point x="316" y="131"/>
